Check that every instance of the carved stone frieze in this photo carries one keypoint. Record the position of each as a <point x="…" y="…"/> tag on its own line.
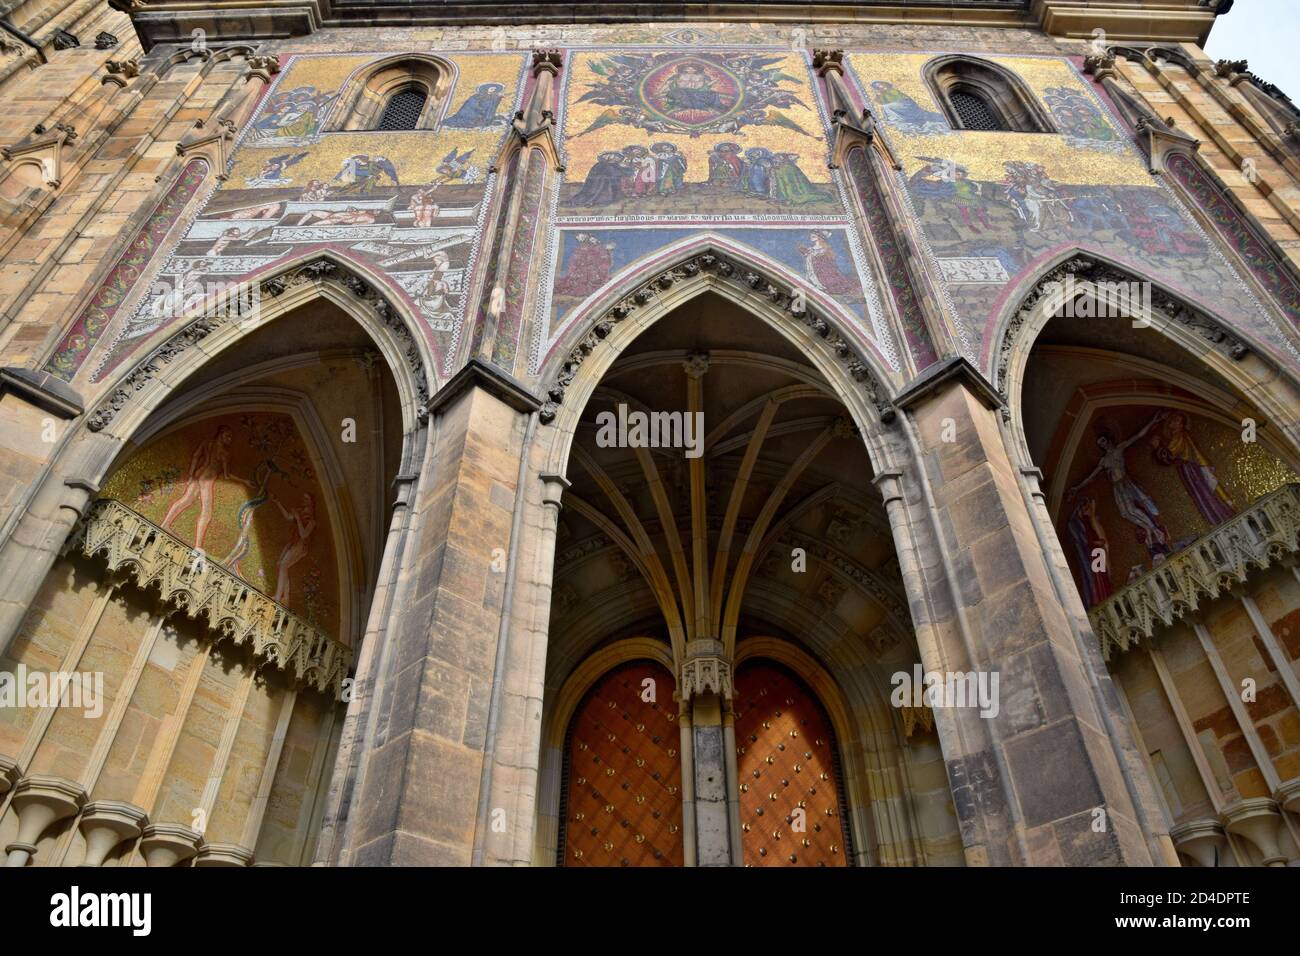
<point x="723" y="270"/>
<point x="153" y="558"/>
<point x="1265" y="533"/>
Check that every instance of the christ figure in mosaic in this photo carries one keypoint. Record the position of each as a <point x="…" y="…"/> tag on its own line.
<point x="1134" y="504"/>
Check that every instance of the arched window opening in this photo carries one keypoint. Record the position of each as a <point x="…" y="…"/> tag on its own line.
<point x="979" y="95"/>
<point x="403" y="109"/>
<point x="401" y="94"/>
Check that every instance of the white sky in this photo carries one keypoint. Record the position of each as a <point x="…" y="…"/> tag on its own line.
<point x="1266" y="33"/>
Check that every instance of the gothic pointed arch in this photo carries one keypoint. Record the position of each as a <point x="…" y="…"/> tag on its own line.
<point x="216" y="325"/>
<point x="1077" y="276"/>
<point x="798" y="313"/>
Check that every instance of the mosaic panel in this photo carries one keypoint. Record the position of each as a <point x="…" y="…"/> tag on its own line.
<point x="1147" y="481"/>
<point x="996" y="206"/>
<point x="407" y="204"/>
<point x="122" y="279"/>
<point x="726" y="133"/>
<point x="243" y="489"/>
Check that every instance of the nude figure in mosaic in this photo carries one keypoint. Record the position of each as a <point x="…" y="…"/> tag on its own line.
<point x="209" y="463"/>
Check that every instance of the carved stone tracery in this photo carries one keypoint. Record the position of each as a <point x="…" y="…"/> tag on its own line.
<point x="204" y="325"/>
<point x="706" y="675"/>
<point x="723" y="270"/>
<point x="131" y="544"/>
<point x="1266" y="533"/>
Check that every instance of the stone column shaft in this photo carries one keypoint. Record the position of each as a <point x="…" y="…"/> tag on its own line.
<point x="422" y="757"/>
<point x="1034" y="776"/>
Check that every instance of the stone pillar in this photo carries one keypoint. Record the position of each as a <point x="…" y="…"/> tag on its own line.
<point x="370" y="664"/>
<point x="1036" y="779"/>
<point x="528" y="161"/>
<point x="417" y="790"/>
<point x="36" y="408"/>
<point x="27" y="555"/>
<point x="706" y="688"/>
<point x="508" y="801"/>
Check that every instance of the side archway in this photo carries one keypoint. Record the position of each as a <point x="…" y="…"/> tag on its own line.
<point x="1220" y="347"/>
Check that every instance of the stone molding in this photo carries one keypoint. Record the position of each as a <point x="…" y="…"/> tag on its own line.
<point x="1088" y="270"/>
<point x="152" y="557"/>
<point x="479" y="374"/>
<point x="1265" y="533"/>
<point x="714" y="264"/>
<point x="42" y="390"/>
<point x="195" y="331"/>
<point x="933" y="378"/>
<point x="106" y="825"/>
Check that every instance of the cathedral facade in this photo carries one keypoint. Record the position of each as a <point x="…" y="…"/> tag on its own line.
<point x="646" y="435"/>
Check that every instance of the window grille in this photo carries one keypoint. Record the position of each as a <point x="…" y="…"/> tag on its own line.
<point x="403" y="110"/>
<point x="974" y="111"/>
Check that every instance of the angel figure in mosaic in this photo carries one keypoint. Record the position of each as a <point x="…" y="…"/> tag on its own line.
<point x="904" y="113"/>
<point x="1173" y="445"/>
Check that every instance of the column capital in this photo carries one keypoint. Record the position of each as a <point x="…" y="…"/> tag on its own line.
<point x="477" y="373"/>
<point x="706" y="675"/>
<point x="954" y="369"/>
<point x="10" y="773"/>
<point x="42" y="390"/>
<point x="890" y="484"/>
<point x="553" y="489"/>
<point x="166" y="844"/>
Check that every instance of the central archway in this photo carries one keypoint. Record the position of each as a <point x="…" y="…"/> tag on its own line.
<point x="768" y="527"/>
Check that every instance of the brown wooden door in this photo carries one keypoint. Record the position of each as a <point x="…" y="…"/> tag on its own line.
<point x="786" y="758"/>
<point x="623" y="774"/>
